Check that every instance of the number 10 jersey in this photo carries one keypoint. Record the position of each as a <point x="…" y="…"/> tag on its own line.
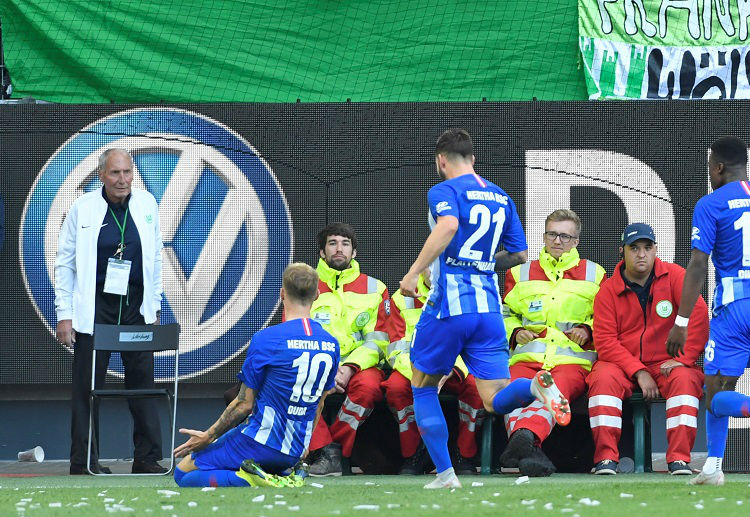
<point x="463" y="276"/>
<point x="290" y="365"/>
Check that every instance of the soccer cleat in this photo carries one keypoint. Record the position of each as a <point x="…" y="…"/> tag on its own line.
<point x="537" y="465"/>
<point x="679" y="468"/>
<point x="606" y="468"/>
<point x="519" y="446"/>
<point x="451" y="482"/>
<point x="717" y="478"/>
<point x="544" y="389"/>
<point x="256" y="476"/>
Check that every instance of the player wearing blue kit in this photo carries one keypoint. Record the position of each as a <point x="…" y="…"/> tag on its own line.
<point x="469" y="217"/>
<point x="721" y="229"/>
<point x="288" y="371"/>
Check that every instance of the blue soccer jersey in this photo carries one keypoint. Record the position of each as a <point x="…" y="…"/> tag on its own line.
<point x="721" y="228"/>
<point x="463" y="276"/>
<point x="290" y="365"/>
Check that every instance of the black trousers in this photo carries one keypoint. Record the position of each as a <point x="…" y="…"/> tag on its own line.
<point x="139" y="374"/>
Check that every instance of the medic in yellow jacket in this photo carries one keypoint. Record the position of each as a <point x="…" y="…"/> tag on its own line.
<point x="405" y="314"/>
<point x="548" y="309"/>
<point x="354" y="307"/>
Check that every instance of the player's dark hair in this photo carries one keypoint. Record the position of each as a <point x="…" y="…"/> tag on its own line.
<point x="340" y="229"/>
<point x="729" y="150"/>
<point x="300" y="283"/>
<point x="455" y="141"/>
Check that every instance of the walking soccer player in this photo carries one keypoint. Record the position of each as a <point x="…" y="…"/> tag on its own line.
<point x="469" y="218"/>
<point x="721" y="229"/>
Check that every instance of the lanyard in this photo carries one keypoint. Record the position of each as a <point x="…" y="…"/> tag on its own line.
<point x="121" y="247"/>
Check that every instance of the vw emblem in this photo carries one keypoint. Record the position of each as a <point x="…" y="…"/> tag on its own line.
<point x="225" y="223"/>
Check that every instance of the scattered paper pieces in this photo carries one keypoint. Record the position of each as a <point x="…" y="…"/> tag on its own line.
<point x="167" y="507"/>
<point x="625" y="495"/>
<point x="477" y="483"/>
<point x="109" y="500"/>
<point x="369" y="483"/>
<point x="259" y="499"/>
<point x="436" y="507"/>
<point x="214" y="508"/>
<point x="192" y="504"/>
<point x="548" y="506"/>
<point x="698" y="506"/>
<point x="78" y="505"/>
<point x="316" y="485"/>
<point x="374" y="507"/>
<point x="566" y="510"/>
<point x="391" y="506"/>
<point x="294" y="508"/>
<point x="55" y="505"/>
<point x="496" y="494"/>
<point x="208" y="489"/>
<point x="719" y="499"/>
<point x="280" y="503"/>
<point x="527" y="502"/>
<point x="589" y="502"/>
<point x="521" y="480"/>
<point x="167" y="493"/>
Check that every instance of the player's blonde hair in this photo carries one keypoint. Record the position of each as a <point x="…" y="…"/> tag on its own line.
<point x="300" y="283"/>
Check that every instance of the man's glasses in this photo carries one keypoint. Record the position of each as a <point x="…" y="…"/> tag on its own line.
<point x="564" y="237"/>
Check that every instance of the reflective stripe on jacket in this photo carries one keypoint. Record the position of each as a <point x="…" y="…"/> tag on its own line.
<point x="550" y="297"/>
<point x="405" y="313"/>
<point x="354" y="308"/>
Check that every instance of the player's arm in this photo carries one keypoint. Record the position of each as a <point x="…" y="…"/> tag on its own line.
<point x="234" y="413"/>
<point x="695" y="277"/>
<point x="506" y="260"/>
<point x="441" y="235"/>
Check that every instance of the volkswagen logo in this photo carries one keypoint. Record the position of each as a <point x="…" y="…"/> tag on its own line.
<point x="225" y="223"/>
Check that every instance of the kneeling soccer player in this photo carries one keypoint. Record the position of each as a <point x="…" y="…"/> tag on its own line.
<point x="288" y="370"/>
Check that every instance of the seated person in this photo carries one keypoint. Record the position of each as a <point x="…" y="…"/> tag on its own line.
<point x="633" y="314"/>
<point x="405" y="312"/>
<point x="288" y="370"/>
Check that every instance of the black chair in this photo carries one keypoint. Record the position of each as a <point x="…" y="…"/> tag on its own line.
<point x="135" y="338"/>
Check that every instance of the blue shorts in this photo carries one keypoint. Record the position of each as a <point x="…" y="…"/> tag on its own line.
<point x="728" y="348"/>
<point x="233" y="447"/>
<point x="478" y="338"/>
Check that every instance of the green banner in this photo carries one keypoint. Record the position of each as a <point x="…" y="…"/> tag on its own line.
<point x="281" y="51"/>
<point x="654" y="49"/>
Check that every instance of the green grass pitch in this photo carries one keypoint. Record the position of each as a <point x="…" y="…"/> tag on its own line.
<point x="569" y="495"/>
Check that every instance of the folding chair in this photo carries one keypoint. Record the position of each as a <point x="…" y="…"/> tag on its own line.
<point x="135" y="338"/>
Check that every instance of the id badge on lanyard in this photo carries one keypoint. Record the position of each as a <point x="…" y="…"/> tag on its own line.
<point x="118" y="274"/>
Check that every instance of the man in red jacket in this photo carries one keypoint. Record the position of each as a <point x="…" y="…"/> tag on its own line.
<point x="633" y="314"/>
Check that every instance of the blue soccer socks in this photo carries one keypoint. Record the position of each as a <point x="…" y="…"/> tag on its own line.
<point x="432" y="426"/>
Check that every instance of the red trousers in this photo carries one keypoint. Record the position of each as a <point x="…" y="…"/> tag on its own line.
<point x="399" y="397"/>
<point x="362" y="393"/>
<point x="608" y="385"/>
<point x="570" y="380"/>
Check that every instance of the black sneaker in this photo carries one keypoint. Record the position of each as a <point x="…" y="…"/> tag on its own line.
<point x="462" y="466"/>
<point x="414" y="464"/>
<point x="328" y="462"/>
<point x="147" y="467"/>
<point x="679" y="468"/>
<point x="519" y="446"/>
<point x="538" y="465"/>
<point x="80" y="470"/>
<point x="606" y="468"/>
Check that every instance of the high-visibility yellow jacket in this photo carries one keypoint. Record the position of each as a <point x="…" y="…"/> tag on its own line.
<point x="354" y="308"/>
<point x="550" y="297"/>
<point x="405" y="313"/>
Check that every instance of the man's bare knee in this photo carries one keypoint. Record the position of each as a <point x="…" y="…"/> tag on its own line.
<point x="419" y="379"/>
<point x="488" y="389"/>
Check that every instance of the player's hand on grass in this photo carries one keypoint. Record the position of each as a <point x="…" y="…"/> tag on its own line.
<point x="408" y="285"/>
<point x="197" y="441"/>
<point x="647" y="384"/>
<point x="343" y="376"/>
<point x="676" y="340"/>
<point x="668" y="365"/>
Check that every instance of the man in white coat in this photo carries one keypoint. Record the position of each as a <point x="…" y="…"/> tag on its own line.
<point x="108" y="270"/>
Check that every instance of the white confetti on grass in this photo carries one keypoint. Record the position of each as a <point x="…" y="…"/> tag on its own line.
<point x="740" y="503"/>
<point x="391" y="506"/>
<point x="436" y="507"/>
<point x="589" y="502"/>
<point x="167" y="493"/>
<point x="214" y="508"/>
<point x="280" y="503"/>
<point x="294" y="508"/>
<point x="521" y="480"/>
<point x="527" y="502"/>
<point x="369" y="483"/>
<point x="109" y="500"/>
<point x="625" y="495"/>
<point x="698" y="506"/>
<point x="55" y="505"/>
<point x="259" y="499"/>
<point x="496" y="494"/>
<point x="208" y="489"/>
<point x="374" y="507"/>
<point x="317" y="485"/>
<point x="566" y="510"/>
<point x="643" y="504"/>
<point x="548" y="506"/>
<point x="192" y="504"/>
<point x="477" y="483"/>
<point x="167" y="507"/>
<point x="719" y="499"/>
<point x="81" y="504"/>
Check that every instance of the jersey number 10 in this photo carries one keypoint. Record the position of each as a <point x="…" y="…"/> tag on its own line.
<point x="307" y="373"/>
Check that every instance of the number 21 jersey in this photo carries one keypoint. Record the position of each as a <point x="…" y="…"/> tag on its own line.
<point x="463" y="276"/>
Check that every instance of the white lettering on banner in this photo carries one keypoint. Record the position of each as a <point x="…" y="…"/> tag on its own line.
<point x="552" y="173"/>
<point x="698" y="17"/>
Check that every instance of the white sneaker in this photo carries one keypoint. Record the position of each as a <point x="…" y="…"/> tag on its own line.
<point x="717" y="478"/>
<point x="544" y="389"/>
<point x="451" y="482"/>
